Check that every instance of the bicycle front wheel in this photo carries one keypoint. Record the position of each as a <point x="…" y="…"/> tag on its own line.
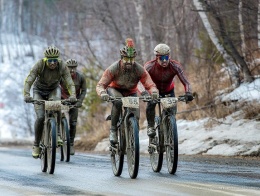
<point x="51" y="147"/>
<point x="171" y="144"/>
<point x="133" y="147"/>
<point x="65" y="136"/>
<point x="117" y="153"/>
<point x="156" y="148"/>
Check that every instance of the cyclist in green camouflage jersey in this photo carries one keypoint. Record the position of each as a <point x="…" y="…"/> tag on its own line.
<point x="45" y="77"/>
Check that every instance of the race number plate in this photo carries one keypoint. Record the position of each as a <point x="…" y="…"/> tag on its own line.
<point x="169" y="102"/>
<point x="130" y="102"/>
<point x="55" y="106"/>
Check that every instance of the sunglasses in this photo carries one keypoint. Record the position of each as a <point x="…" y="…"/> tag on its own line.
<point x="52" y="60"/>
<point x="128" y="58"/>
<point x="164" y="57"/>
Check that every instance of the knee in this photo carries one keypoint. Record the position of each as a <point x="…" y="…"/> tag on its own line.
<point x="73" y="123"/>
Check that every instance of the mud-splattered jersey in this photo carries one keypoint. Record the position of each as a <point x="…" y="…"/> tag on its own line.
<point x="163" y="76"/>
<point x="46" y="79"/>
<point x="125" y="80"/>
<point x="80" y="86"/>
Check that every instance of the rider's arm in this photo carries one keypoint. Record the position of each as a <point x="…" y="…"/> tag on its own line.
<point x="182" y="76"/>
<point x="103" y="83"/>
<point x="31" y="78"/>
<point x="83" y="89"/>
<point x="148" y="83"/>
<point x="68" y="80"/>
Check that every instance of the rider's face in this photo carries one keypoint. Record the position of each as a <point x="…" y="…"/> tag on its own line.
<point x="163" y="60"/>
<point x="128" y="62"/>
<point x="72" y="70"/>
<point x="52" y="63"/>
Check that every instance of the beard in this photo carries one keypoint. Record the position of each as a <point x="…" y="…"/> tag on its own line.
<point x="128" y="65"/>
<point x="52" y="66"/>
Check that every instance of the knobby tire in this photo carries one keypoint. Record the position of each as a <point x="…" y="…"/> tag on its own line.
<point x="117" y="158"/>
<point x="133" y="148"/>
<point x="51" y="148"/>
<point x="172" y="144"/>
<point x="65" y="136"/>
<point x="156" y="154"/>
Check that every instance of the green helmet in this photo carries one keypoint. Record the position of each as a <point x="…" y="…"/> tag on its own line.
<point x="52" y="52"/>
<point x="128" y="50"/>
<point x="162" y="49"/>
<point x="71" y="63"/>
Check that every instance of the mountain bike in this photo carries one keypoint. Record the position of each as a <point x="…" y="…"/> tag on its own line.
<point x="65" y="132"/>
<point x="128" y="138"/>
<point x="48" y="142"/>
<point x="166" y="139"/>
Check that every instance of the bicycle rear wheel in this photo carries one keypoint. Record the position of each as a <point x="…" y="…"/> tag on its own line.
<point x="171" y="144"/>
<point x="51" y="148"/>
<point x="117" y="153"/>
<point x="43" y="153"/>
<point x="156" y="148"/>
<point x="65" y="136"/>
<point x="133" y="147"/>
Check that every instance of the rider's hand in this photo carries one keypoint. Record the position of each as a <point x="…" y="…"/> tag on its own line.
<point x="28" y="99"/>
<point x="78" y="104"/>
<point x="188" y="96"/>
<point x="155" y="95"/>
<point x="145" y="94"/>
<point x="72" y="99"/>
<point x="104" y="96"/>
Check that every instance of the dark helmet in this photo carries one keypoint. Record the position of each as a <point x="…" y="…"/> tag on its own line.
<point x="52" y="52"/>
<point x="71" y="63"/>
<point x="128" y="50"/>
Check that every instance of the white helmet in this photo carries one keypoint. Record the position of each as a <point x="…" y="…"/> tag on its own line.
<point x="162" y="49"/>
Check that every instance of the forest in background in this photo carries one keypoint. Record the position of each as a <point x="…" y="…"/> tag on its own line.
<point x="216" y="41"/>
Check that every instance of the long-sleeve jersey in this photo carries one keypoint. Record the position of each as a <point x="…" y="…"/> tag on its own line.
<point x="80" y="86"/>
<point x="163" y="76"/>
<point x="46" y="79"/>
<point x="125" y="80"/>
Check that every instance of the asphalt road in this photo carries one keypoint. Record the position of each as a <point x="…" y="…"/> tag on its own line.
<point x="91" y="174"/>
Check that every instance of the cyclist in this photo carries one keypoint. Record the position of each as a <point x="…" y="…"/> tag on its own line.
<point x="162" y="71"/>
<point x="80" y="85"/>
<point x="45" y="77"/>
<point x="120" y="80"/>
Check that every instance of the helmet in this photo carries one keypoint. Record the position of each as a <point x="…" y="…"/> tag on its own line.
<point x="71" y="63"/>
<point x="128" y="50"/>
<point x="162" y="49"/>
<point x="52" y="52"/>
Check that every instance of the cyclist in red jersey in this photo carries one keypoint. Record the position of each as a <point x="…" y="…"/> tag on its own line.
<point x="162" y="71"/>
<point x="121" y="79"/>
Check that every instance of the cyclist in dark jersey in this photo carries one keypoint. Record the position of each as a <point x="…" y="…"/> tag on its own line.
<point x="162" y="71"/>
<point x="120" y="79"/>
<point x="81" y="89"/>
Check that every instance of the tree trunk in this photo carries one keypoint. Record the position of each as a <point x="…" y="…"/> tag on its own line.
<point x="241" y="26"/>
<point x="258" y="24"/>
<point x="139" y="12"/>
<point x="229" y="46"/>
<point x="231" y="66"/>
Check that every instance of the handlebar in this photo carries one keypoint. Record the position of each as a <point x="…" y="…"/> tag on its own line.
<point x="181" y="98"/>
<point x="41" y="102"/>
